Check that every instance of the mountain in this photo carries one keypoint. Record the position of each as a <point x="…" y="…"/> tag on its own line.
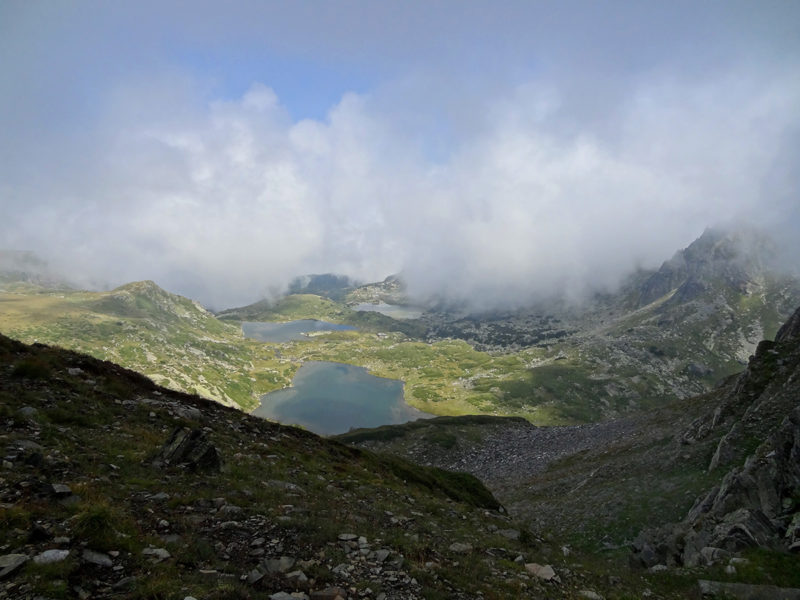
<point x="669" y="333"/>
<point x="168" y="337"/>
<point x="705" y="487"/>
<point x="327" y="285"/>
<point x="391" y="290"/>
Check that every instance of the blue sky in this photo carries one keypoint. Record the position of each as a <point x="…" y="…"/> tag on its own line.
<point x="497" y="151"/>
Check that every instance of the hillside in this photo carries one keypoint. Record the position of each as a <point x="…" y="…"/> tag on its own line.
<point x="171" y="339"/>
<point x="115" y="487"/>
<point x="723" y="466"/>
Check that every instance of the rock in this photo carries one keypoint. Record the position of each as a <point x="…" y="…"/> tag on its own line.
<point x="124" y="584"/>
<point x="511" y="534"/>
<point x="347" y="537"/>
<point x="159" y="497"/>
<point x="28" y="412"/>
<point x="286" y="485"/>
<point x="282" y="596"/>
<point x="190" y="413"/>
<point x="460" y="548"/>
<point x="297" y="576"/>
<point x="9" y="563"/>
<point x="158" y="554"/>
<point x="382" y="555"/>
<point x="50" y="556"/>
<point x="97" y="558"/>
<point x="744" y="591"/>
<point x="544" y="572"/>
<point x="711" y="556"/>
<point x="279" y="565"/>
<point x="59" y="490"/>
<point x="590" y="595"/>
<point x="789" y="330"/>
<point x="190" y="449"/>
<point x="256" y="575"/>
<point x="644" y="555"/>
<point x="74" y="371"/>
<point x="331" y="593"/>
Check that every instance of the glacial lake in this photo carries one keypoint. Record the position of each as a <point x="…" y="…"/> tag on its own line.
<point x="396" y="311"/>
<point x="329" y="398"/>
<point x="290" y="331"/>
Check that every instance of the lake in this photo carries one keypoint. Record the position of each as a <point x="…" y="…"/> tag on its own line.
<point x="290" y="331"/>
<point x="396" y="311"/>
<point x="329" y="398"/>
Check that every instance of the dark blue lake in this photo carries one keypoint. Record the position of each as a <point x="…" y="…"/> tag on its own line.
<point x="329" y="398"/>
<point x="290" y="331"/>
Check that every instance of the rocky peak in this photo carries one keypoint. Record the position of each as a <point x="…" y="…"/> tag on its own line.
<point x="738" y="259"/>
<point x="789" y="330"/>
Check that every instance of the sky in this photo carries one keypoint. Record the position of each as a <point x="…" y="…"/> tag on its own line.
<point x="492" y="152"/>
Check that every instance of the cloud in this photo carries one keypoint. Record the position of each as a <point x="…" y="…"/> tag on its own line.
<point x="491" y="184"/>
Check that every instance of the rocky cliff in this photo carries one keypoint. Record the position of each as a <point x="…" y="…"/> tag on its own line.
<point x="757" y="503"/>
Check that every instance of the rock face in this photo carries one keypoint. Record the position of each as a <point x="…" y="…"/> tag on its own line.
<point x="756" y="503"/>
<point x="191" y="449"/>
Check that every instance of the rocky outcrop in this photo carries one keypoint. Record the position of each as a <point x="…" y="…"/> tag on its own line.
<point x="756" y="503"/>
<point x="789" y="330"/>
<point x="190" y="449"/>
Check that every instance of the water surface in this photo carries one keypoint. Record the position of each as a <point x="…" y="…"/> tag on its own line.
<point x="330" y="398"/>
<point x="290" y="331"/>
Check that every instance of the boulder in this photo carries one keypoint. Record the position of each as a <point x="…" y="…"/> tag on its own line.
<point x="544" y="572"/>
<point x="9" y="563"/>
<point x="189" y="448"/>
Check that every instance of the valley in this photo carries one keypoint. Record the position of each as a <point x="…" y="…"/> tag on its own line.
<point x="665" y="335"/>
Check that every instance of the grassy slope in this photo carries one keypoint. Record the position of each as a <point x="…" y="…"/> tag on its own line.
<point x="97" y="428"/>
<point x="168" y="337"/>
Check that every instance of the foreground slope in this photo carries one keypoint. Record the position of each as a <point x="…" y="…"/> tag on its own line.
<point x="710" y="479"/>
<point x="101" y="496"/>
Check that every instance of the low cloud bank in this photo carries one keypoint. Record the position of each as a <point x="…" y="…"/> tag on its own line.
<point x="227" y="201"/>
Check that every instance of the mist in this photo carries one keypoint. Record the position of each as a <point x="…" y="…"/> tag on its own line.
<point x="489" y="184"/>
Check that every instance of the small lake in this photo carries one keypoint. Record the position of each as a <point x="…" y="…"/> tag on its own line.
<point x="396" y="311"/>
<point x="290" y="331"/>
<point x="329" y="398"/>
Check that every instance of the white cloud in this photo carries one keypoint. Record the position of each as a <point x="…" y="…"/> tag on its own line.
<point x="483" y="176"/>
